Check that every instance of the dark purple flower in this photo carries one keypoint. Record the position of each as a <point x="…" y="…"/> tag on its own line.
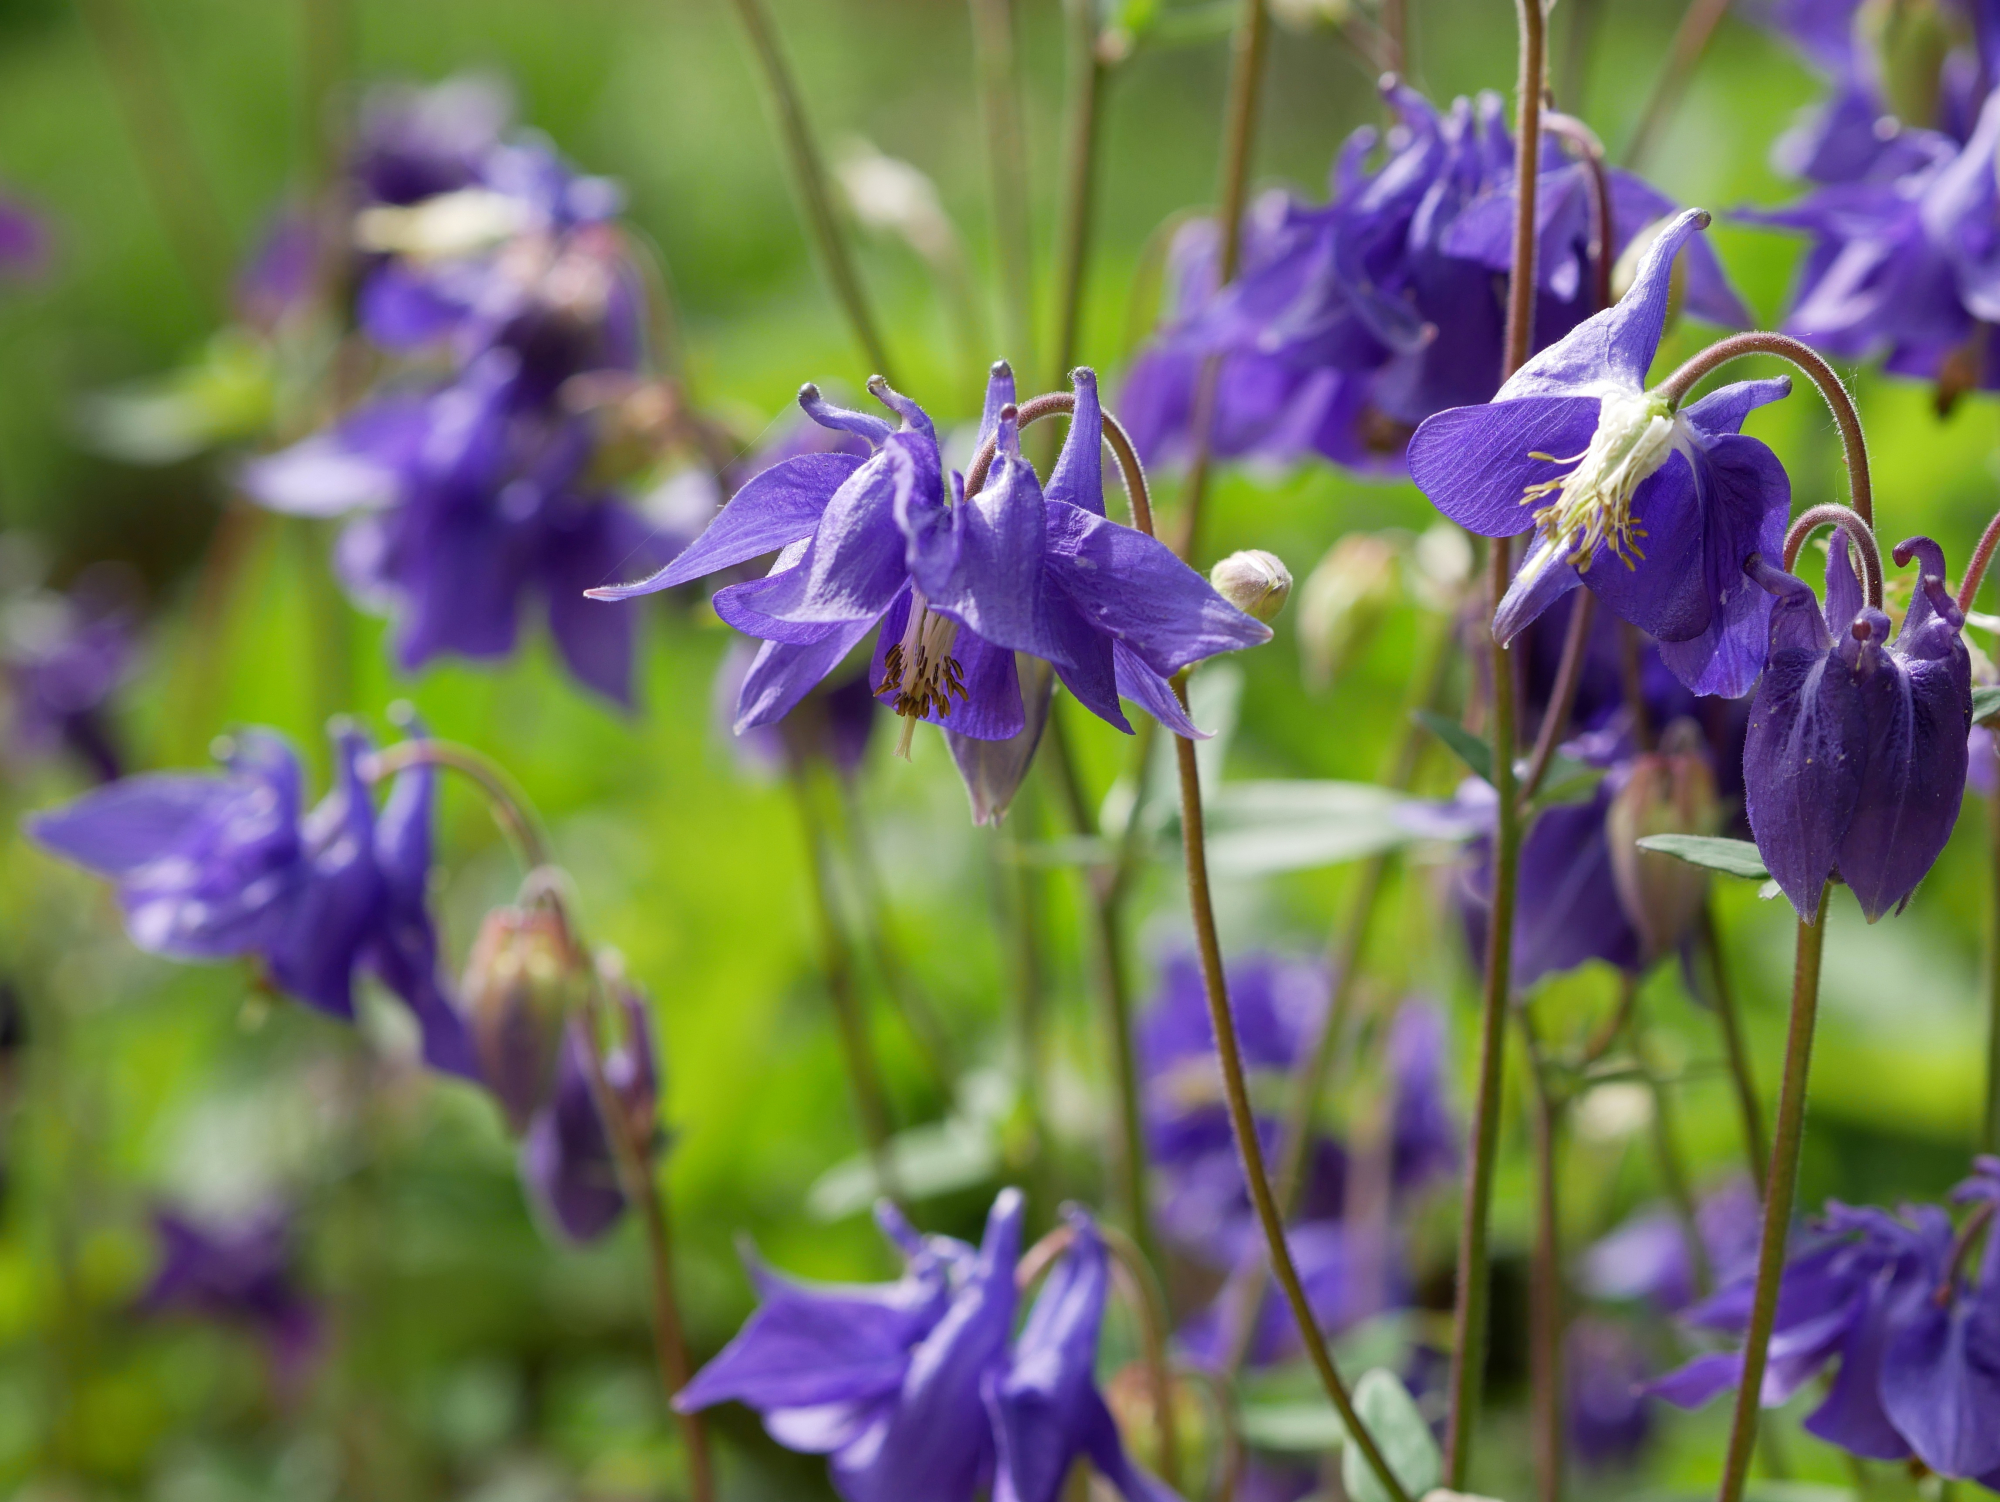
<point x="1604" y="1374"/>
<point x="1354" y="321"/>
<point x="957" y="588"/>
<point x="62" y="656"/>
<point x="237" y="1273"/>
<point x="231" y="867"/>
<point x="567" y="1160"/>
<point x="1856" y="758"/>
<point x="1654" y="509"/>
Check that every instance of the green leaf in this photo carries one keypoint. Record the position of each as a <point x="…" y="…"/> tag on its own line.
<point x="1985" y="702"/>
<point x="1293" y="1428"/>
<point x="1391" y="1417"/>
<point x="1255" y="828"/>
<point x="1468" y="747"/>
<point x="1731" y="857"/>
<point x="1567" y="781"/>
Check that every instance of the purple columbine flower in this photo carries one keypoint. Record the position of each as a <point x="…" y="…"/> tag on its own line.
<point x="958" y="587"/>
<point x="1654" y="509"/>
<point x="1856" y="757"/>
<point x="567" y="1161"/>
<point x="1354" y="321"/>
<point x="415" y="143"/>
<point x="238" y="1273"/>
<point x="1916" y="1336"/>
<point x="1648" y="1257"/>
<point x="913" y="1388"/>
<point x="232" y="867"/>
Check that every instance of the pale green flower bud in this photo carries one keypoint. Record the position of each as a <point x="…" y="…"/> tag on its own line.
<point x="1254" y="581"/>
<point x="1344" y="600"/>
<point x="1670" y="791"/>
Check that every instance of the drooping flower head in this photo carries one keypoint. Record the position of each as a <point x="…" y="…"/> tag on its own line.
<point x="233" y="867"/>
<point x="1856" y="758"/>
<point x="567" y="1160"/>
<point x="1352" y="322"/>
<point x="1653" y="508"/>
<point x="1915" y="1332"/>
<point x="919" y="1388"/>
<point x="957" y="586"/>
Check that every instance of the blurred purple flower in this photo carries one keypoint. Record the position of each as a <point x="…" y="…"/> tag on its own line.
<point x="957" y="589"/>
<point x="227" y="867"/>
<point x="912" y="1387"/>
<point x="237" y="1273"/>
<point x="1856" y="757"/>
<point x="1647" y="1257"/>
<point x="567" y="1160"/>
<point x="1657" y="509"/>
<point x="1605" y="1374"/>
<point x="283" y="271"/>
<point x="415" y="142"/>
<point x="1353" y="322"/>
<point x="24" y="241"/>
<point x="62" y="656"/>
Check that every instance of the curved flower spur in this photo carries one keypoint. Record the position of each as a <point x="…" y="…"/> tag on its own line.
<point x="1652" y="506"/>
<point x="959" y="579"/>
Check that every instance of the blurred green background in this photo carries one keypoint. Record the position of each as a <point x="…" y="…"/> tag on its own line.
<point x="470" y="1356"/>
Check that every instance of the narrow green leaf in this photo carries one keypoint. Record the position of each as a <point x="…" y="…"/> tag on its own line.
<point x="1985" y="702"/>
<point x="1731" y="857"/>
<point x="1392" y="1418"/>
<point x="1468" y="747"/>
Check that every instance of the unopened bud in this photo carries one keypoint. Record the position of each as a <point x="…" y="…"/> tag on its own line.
<point x="1669" y="791"/>
<point x="525" y="976"/>
<point x="1343" y="602"/>
<point x="1910" y="40"/>
<point x="1254" y="581"/>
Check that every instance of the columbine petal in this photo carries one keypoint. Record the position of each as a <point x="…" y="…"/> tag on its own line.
<point x="785" y="672"/>
<point x="1078" y="476"/>
<point x="1476" y="463"/>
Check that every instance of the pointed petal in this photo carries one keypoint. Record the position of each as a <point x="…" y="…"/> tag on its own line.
<point x="1538" y="583"/>
<point x="864" y="425"/>
<point x="993" y="771"/>
<point x="999" y="393"/>
<point x="1078" y="476"/>
<point x="785" y="672"/>
<point x="1152" y="693"/>
<point x="777" y="507"/>
<point x="1476" y="463"/>
<point x="995" y="579"/>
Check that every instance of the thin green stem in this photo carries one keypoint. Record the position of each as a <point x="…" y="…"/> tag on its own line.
<point x="180" y="186"/>
<point x="864" y="1079"/>
<point x="1691" y="39"/>
<point x="1470" y="1314"/>
<point x="996" y="60"/>
<point x="1246" y="85"/>
<point x="1729" y="1019"/>
<point x="638" y="1177"/>
<point x="1666" y="1145"/>
<point x="809" y="180"/>
<point x="1084" y="111"/>
<point x="1243" y="1122"/>
<point x="509" y="805"/>
<point x="1149" y="1306"/>
<point x="1545" y="1290"/>
<point x="1779" y="1199"/>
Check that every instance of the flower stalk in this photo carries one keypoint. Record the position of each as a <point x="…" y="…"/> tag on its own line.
<point x="510" y="807"/>
<point x="1470" y="1314"/>
<point x="1779" y="1198"/>
<point x="1729" y="1020"/>
<point x="1545" y="1290"/>
<point x="997" y="62"/>
<point x="809" y="180"/>
<point x="1858" y="532"/>
<point x="1084" y="110"/>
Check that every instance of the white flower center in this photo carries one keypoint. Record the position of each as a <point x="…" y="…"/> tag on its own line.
<point x="921" y="671"/>
<point x="1592" y="504"/>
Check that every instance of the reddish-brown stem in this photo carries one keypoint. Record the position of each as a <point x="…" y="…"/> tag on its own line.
<point x="1562" y="699"/>
<point x="1982" y="556"/>
<point x="1122" y="449"/>
<point x="1857" y="532"/>
<point x="1590" y="151"/>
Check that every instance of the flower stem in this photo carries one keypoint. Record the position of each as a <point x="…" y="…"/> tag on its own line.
<point x="1084" y="110"/>
<point x="1990" y="1135"/>
<point x="1149" y="1307"/>
<point x="1562" y="698"/>
<point x="1779" y="1198"/>
<point x="1574" y="133"/>
<point x="1975" y="571"/>
<point x="1691" y="37"/>
<point x="1858" y="532"/>
<point x="181" y="188"/>
<point x="1469" y="1317"/>
<point x="1243" y="1122"/>
<point x="1845" y="415"/>
<point x="1730" y="1021"/>
<point x="864" y="1080"/>
<point x="1545" y="1291"/>
<point x="638" y="1176"/>
<point x="510" y="806"/>
<point x="996" y="60"/>
<point x="809" y="180"/>
<point x="1246" y="83"/>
